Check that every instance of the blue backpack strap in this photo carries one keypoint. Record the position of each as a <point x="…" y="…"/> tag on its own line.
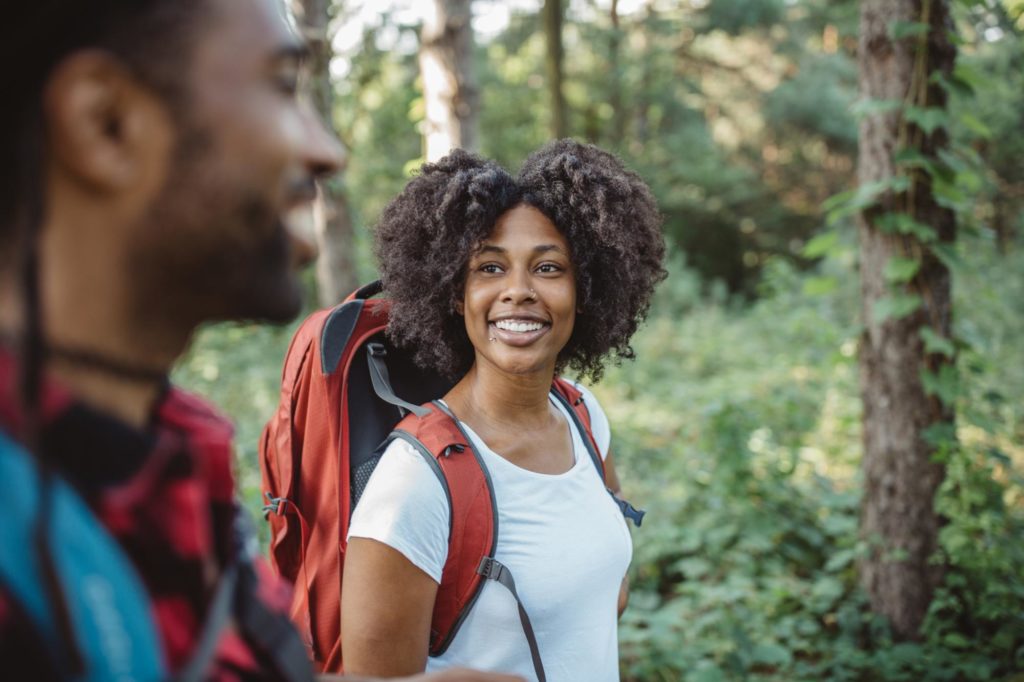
<point x="108" y="605"/>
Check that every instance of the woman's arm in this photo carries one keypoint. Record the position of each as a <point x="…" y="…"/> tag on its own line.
<point x="611" y="480"/>
<point x="386" y="608"/>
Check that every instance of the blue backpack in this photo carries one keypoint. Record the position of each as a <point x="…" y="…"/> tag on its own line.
<point x="108" y="606"/>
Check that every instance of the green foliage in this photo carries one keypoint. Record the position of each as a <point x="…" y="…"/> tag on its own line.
<point x="739" y="425"/>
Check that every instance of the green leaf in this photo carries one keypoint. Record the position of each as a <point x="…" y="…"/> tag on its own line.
<point x="944" y="384"/>
<point x="901" y="223"/>
<point x="840" y="560"/>
<point x="937" y="343"/>
<point x="912" y="158"/>
<point x="901" y="270"/>
<point x="947" y="194"/>
<point x="955" y="640"/>
<point x="939" y="434"/>
<point x="947" y="255"/>
<point x="974" y="124"/>
<point x="853" y="201"/>
<point x="871" y="107"/>
<point x="951" y="85"/>
<point x="821" y="245"/>
<point x="899" y="30"/>
<point x="694" y="568"/>
<point x="820" y="286"/>
<point x="771" y="655"/>
<point x="969" y="77"/>
<point x="927" y="119"/>
<point x="895" y="306"/>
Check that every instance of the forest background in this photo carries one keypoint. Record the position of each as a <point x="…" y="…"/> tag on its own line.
<point x="740" y="426"/>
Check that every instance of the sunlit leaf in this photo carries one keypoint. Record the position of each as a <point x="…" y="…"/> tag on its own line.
<point x="821" y="245"/>
<point x="901" y="270"/>
<point x="936" y="343"/>
<point x="975" y="125"/>
<point x="895" y="306"/>
<point x="927" y="119"/>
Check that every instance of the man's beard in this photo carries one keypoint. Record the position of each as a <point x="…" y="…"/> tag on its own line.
<point x="213" y="248"/>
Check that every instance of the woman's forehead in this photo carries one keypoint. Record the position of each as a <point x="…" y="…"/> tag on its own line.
<point x="524" y="227"/>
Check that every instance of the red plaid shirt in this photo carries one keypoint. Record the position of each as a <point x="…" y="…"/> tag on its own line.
<point x="167" y="495"/>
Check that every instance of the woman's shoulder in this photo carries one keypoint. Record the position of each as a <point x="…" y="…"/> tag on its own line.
<point x="599" y="426"/>
<point x="404" y="506"/>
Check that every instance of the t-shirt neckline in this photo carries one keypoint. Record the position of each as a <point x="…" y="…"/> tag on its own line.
<point x="487" y="451"/>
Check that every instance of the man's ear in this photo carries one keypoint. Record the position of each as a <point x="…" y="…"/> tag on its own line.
<point x="106" y="130"/>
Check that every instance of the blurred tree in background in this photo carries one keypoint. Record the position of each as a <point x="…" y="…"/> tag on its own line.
<point x="740" y="424"/>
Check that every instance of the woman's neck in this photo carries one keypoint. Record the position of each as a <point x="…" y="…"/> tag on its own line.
<point x="496" y="397"/>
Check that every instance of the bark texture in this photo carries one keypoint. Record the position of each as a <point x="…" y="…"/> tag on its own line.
<point x="332" y="222"/>
<point x="553" y="16"/>
<point x="898" y="517"/>
<point x="450" y="91"/>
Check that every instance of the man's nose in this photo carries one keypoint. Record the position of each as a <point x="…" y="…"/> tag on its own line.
<point x="323" y="154"/>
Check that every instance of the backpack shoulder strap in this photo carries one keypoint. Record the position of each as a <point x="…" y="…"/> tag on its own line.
<point x="473" y="522"/>
<point x="575" y="404"/>
<point x="110" y="610"/>
<point x="473" y="530"/>
<point x="572" y="398"/>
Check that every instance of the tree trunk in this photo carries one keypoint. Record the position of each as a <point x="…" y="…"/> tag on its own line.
<point x="900" y="477"/>
<point x="618" y="128"/>
<point x="332" y="223"/>
<point x="553" y="15"/>
<point x="449" y="87"/>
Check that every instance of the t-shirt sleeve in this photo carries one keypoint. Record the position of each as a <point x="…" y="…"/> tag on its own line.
<point x="405" y="507"/>
<point x="598" y="420"/>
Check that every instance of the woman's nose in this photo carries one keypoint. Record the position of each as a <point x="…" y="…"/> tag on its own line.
<point x="519" y="289"/>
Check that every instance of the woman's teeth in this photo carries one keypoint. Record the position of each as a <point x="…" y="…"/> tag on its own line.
<point x="518" y="326"/>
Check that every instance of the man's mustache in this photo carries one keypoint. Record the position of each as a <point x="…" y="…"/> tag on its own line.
<point x="303" y="189"/>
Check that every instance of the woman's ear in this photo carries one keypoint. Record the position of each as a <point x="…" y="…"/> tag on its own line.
<point x="460" y="307"/>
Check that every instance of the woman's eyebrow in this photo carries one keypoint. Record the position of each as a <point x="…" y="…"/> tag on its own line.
<point x="540" y="248"/>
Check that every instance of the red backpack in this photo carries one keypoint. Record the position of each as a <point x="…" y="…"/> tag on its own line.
<point x="340" y="409"/>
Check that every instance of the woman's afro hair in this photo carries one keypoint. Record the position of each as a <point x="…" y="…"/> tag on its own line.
<point x="427" y="234"/>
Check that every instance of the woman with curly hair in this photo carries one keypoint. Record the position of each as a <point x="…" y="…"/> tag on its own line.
<point x="502" y="283"/>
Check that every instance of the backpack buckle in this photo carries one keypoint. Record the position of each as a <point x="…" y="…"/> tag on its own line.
<point x="273" y="505"/>
<point x="629" y="511"/>
<point x="457" y="447"/>
<point x="490" y="568"/>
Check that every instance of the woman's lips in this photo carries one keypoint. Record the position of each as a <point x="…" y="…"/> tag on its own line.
<point x="517" y="339"/>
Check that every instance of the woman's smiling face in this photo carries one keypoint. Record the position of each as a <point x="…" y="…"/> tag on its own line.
<point x="519" y="301"/>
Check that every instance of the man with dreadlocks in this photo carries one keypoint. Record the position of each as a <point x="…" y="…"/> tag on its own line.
<point x="158" y="148"/>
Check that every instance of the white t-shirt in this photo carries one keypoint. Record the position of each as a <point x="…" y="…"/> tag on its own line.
<point x="562" y="536"/>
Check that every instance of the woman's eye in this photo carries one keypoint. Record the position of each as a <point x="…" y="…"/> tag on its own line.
<point x="490" y="268"/>
<point x="547" y="268"/>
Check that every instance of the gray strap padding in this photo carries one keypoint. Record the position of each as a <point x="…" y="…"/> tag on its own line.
<point x="492" y="569"/>
<point x="375" y="354"/>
